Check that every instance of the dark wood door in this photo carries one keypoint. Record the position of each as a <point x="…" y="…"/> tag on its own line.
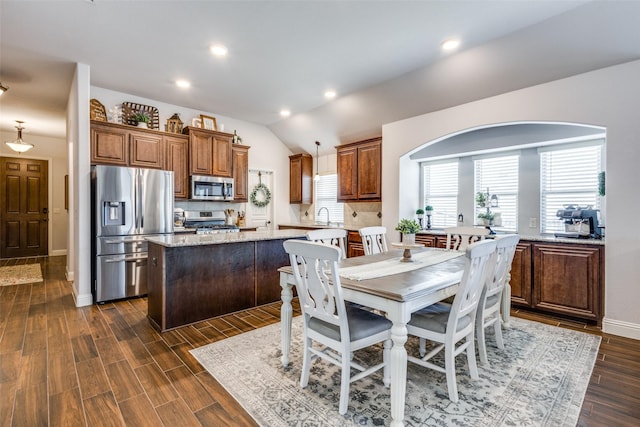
<point x="23" y="207"/>
<point x="240" y="154"/>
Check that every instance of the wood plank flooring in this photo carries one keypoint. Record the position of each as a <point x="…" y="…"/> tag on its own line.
<point x="104" y="365"/>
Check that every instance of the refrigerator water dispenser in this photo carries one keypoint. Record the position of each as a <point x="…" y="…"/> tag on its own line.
<point x="113" y="213"/>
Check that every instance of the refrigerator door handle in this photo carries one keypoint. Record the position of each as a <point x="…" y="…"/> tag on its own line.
<point x="141" y="197"/>
<point x="121" y="258"/>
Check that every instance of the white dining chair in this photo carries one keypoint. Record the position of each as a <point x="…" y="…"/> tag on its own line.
<point x="329" y="322"/>
<point x="488" y="313"/>
<point x="459" y="238"/>
<point x="374" y="239"/>
<point x="330" y="236"/>
<point x="452" y="327"/>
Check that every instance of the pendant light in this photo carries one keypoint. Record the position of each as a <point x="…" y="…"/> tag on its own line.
<point x="317" y="177"/>
<point x="3" y="88"/>
<point x="19" y="145"/>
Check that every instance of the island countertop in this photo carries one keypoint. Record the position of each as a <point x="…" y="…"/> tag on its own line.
<point x="181" y="240"/>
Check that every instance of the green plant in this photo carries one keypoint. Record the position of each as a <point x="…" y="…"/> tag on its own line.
<point x="141" y="116"/>
<point x="486" y="215"/>
<point x="419" y="211"/>
<point x="428" y="208"/>
<point x="481" y="199"/>
<point x="408" y="226"/>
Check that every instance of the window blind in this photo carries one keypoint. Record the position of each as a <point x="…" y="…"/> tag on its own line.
<point x="326" y="197"/>
<point x="500" y="176"/>
<point x="440" y="185"/>
<point x="567" y="177"/>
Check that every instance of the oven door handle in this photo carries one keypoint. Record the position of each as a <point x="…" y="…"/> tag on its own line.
<point x="125" y="258"/>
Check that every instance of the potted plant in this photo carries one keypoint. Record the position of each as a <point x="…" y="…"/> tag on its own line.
<point x="481" y="199"/>
<point x="486" y="217"/>
<point x="408" y="228"/>
<point x="142" y="119"/>
<point x="429" y="210"/>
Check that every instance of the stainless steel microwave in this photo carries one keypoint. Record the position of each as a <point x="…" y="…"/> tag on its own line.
<point x="211" y="188"/>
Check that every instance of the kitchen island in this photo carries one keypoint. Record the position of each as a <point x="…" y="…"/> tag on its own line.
<point x="195" y="277"/>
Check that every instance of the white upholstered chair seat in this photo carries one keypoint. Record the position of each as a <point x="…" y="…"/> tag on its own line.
<point x="362" y="323"/>
<point x="435" y="318"/>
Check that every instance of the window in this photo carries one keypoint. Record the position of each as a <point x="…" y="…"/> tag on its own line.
<point x="440" y="190"/>
<point x="499" y="176"/>
<point x="326" y="197"/>
<point x="568" y="176"/>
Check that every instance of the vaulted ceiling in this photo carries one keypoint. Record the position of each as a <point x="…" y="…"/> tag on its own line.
<point x="382" y="57"/>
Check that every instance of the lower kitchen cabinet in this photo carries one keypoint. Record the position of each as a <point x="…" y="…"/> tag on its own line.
<point x="354" y="244"/>
<point x="521" y="275"/>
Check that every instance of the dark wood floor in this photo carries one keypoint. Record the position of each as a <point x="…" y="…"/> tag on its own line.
<point x="104" y="365"/>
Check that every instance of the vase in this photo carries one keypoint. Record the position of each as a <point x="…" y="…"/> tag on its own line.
<point x="143" y="125"/>
<point x="428" y="222"/>
<point x="409" y="238"/>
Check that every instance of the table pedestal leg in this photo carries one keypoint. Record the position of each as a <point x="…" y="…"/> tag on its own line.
<point x="285" y="318"/>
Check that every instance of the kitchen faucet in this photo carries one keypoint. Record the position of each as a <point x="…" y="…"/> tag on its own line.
<point x="326" y="209"/>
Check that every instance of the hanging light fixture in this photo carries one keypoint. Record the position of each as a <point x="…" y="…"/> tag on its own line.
<point x="317" y="177"/>
<point x="19" y="145"/>
<point x="3" y="88"/>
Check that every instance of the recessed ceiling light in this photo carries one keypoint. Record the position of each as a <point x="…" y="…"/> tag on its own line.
<point x="183" y="84"/>
<point x="285" y="113"/>
<point x="218" y="50"/>
<point x="330" y="94"/>
<point x="450" y="44"/>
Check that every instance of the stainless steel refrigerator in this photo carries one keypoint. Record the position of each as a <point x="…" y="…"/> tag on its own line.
<point x="128" y="204"/>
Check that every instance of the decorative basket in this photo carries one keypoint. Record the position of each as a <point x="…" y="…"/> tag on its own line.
<point x="129" y="109"/>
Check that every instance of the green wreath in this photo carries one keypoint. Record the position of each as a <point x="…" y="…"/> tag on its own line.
<point x="266" y="195"/>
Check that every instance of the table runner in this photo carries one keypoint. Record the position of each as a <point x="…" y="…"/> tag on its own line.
<point x="392" y="266"/>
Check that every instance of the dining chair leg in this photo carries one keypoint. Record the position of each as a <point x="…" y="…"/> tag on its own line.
<point x="344" y="383"/>
<point x="386" y="356"/>
<point x="450" y="372"/>
<point x="471" y="356"/>
<point x="482" y="346"/>
<point x="497" y="327"/>
<point x="306" y="363"/>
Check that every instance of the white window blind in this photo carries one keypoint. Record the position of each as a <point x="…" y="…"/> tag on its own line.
<point x="440" y="184"/>
<point x="500" y="176"/>
<point x="568" y="177"/>
<point x="326" y="197"/>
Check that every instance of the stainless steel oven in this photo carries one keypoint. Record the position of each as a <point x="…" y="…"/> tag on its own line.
<point x="211" y="188"/>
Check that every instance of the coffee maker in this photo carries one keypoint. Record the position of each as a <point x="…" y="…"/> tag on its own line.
<point x="580" y="222"/>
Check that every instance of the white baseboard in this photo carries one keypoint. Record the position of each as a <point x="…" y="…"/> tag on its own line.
<point x="69" y="275"/>
<point x="58" y="252"/>
<point x="623" y="329"/>
<point x="82" y="300"/>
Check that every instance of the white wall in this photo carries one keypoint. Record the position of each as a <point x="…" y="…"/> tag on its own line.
<point x="609" y="97"/>
<point x="54" y="151"/>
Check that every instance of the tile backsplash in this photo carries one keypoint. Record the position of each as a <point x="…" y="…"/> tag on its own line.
<point x="356" y="215"/>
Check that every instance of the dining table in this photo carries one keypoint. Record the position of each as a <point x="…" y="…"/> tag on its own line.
<point x="397" y="289"/>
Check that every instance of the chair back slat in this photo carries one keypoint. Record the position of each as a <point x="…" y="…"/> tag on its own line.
<point x="459" y="238"/>
<point x="330" y="236"/>
<point x="374" y="239"/>
<point x="505" y="251"/>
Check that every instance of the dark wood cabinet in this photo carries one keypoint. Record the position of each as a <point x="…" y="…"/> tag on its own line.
<point x="354" y="244"/>
<point x="210" y="152"/>
<point x="429" y="240"/>
<point x="240" y="167"/>
<point x="301" y="178"/>
<point x="146" y="149"/>
<point x="176" y="160"/>
<point x="568" y="279"/>
<point x="109" y="144"/>
<point x="521" y="275"/>
<point x="359" y="166"/>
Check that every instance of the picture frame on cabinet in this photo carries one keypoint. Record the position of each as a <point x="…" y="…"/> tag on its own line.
<point x="208" y="122"/>
<point x="195" y="122"/>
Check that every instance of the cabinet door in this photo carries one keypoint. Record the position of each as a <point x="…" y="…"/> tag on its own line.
<point x="370" y="171"/>
<point x="426" y="239"/>
<point x="347" y="167"/>
<point x="201" y="153"/>
<point x="221" y="156"/>
<point x="240" y="162"/>
<point x="567" y="280"/>
<point x="354" y="245"/>
<point x="176" y="161"/>
<point x="521" y="275"/>
<point x="146" y="150"/>
<point x="109" y="145"/>
<point x="300" y="178"/>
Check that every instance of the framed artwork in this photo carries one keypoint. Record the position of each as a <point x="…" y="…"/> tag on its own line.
<point x="208" y="122"/>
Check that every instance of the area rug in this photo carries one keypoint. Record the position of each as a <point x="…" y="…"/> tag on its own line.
<point x="18" y="274"/>
<point x="540" y="379"/>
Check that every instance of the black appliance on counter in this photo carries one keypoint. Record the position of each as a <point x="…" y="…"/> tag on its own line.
<point x="580" y="222"/>
<point x="208" y="222"/>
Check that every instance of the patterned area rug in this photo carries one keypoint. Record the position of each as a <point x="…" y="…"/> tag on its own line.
<point x="18" y="274"/>
<point x="539" y="379"/>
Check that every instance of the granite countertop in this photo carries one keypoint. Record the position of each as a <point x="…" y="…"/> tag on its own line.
<point x="314" y="226"/>
<point x="180" y="240"/>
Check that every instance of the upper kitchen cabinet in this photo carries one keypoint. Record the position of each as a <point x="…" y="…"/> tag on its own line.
<point x="240" y="166"/>
<point x="301" y="178"/>
<point x="360" y="171"/>
<point x="177" y="160"/>
<point x="123" y="145"/>
<point x="210" y="152"/>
